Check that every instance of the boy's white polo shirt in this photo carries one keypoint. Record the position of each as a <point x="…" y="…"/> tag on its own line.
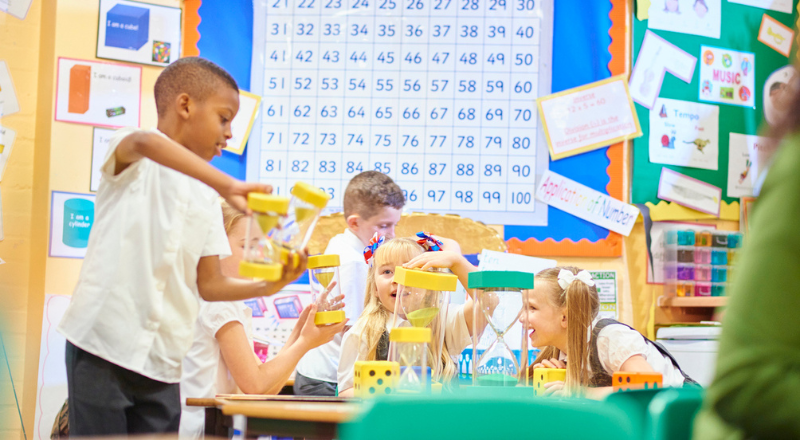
<point x="136" y="300"/>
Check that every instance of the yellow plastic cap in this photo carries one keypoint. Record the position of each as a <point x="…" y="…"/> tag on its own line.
<point x="425" y="280"/>
<point x="284" y="256"/>
<point x="410" y="334"/>
<point x="318" y="261"/>
<point x="269" y="272"/>
<point x="261" y="202"/>
<point x="310" y="194"/>
<point x="326" y="318"/>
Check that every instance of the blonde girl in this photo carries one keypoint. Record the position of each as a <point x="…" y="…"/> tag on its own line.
<point x="368" y="339"/>
<point x="562" y="316"/>
<point x="221" y="358"/>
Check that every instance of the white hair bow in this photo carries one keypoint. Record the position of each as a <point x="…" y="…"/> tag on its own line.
<point x="566" y="277"/>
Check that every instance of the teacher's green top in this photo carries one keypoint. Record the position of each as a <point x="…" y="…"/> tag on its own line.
<point x="756" y="389"/>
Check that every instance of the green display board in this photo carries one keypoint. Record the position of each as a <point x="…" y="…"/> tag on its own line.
<point x="739" y="31"/>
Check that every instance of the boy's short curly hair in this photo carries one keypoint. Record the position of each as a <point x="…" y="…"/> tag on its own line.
<point x="195" y="76"/>
<point x="368" y="192"/>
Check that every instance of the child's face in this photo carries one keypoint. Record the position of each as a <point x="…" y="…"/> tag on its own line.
<point x="547" y="323"/>
<point x="383" y="223"/>
<point x="386" y="287"/>
<point x="208" y="122"/>
<point x="236" y="238"/>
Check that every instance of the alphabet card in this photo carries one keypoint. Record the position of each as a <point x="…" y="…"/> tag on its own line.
<point x="776" y="35"/>
<point x="684" y="133"/>
<point x="698" y="17"/>
<point x="727" y="76"/>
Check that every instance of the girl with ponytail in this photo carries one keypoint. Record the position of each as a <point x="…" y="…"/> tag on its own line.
<point x="562" y="317"/>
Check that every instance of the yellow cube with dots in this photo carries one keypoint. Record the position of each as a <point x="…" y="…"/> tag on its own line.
<point x="542" y="376"/>
<point x="375" y="378"/>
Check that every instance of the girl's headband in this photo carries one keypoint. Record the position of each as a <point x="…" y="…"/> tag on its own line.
<point x="566" y="277"/>
<point x="374" y="244"/>
<point x="428" y="242"/>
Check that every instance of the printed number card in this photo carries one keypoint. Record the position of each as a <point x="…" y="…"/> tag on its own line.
<point x="588" y="117"/>
<point x="437" y="94"/>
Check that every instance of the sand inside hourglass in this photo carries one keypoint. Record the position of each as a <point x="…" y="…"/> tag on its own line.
<point x="303" y="214"/>
<point x="422" y="317"/>
<point x="325" y="278"/>
<point x="267" y="222"/>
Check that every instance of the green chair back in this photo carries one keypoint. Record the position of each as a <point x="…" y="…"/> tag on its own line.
<point x="634" y="405"/>
<point x="465" y="418"/>
<point x="671" y="414"/>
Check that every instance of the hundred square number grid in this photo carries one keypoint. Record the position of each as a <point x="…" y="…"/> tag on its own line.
<point x="438" y="94"/>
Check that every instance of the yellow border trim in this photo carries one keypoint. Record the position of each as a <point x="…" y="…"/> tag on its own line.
<point x="240" y="148"/>
<point x="597" y="145"/>
<point x="673" y="211"/>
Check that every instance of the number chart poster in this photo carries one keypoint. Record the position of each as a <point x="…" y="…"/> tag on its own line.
<point x="438" y="94"/>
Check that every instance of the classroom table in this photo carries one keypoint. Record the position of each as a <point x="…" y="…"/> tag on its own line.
<point x="288" y="416"/>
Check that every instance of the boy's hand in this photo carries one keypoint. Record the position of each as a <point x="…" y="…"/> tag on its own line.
<point x="236" y="193"/>
<point x="554" y="389"/>
<point x="312" y="336"/>
<point x="446" y="259"/>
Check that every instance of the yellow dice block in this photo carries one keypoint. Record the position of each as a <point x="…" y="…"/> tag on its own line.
<point x="542" y="376"/>
<point x="624" y="381"/>
<point x="375" y="378"/>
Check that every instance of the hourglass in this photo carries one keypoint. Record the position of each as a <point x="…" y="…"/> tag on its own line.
<point x="410" y="349"/>
<point x="500" y="336"/>
<point x="261" y="258"/>
<point x="322" y="271"/>
<point x="305" y="208"/>
<point x="422" y="299"/>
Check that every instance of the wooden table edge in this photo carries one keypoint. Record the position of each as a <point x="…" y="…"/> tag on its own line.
<point x="287" y="411"/>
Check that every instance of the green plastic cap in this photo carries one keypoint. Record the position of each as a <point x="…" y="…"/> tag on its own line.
<point x="494" y="279"/>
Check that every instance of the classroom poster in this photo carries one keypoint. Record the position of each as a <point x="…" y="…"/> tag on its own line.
<point x="588" y="117"/>
<point x="775" y="5"/>
<point x="275" y="316"/>
<point x="658" y="56"/>
<point x="776" y="35"/>
<point x="139" y="32"/>
<point x="8" y="95"/>
<point x="7" y="137"/>
<point x="52" y="383"/>
<point x="17" y="8"/>
<point x="697" y="17"/>
<point x="727" y="76"/>
<point x="689" y="192"/>
<point x="71" y="220"/>
<point x="97" y="93"/>
<point x="743" y="153"/>
<point x="494" y="260"/>
<point x="100" y="140"/>
<point x="242" y="123"/>
<point x="684" y="133"/>
<point x="606" y="283"/>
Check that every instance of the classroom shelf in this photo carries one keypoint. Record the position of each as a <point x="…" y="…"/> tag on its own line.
<point x="692" y="301"/>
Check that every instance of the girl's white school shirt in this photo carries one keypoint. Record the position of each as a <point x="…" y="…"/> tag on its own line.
<point x="205" y="373"/>
<point x="456" y="338"/>
<point x="135" y="303"/>
<point x="617" y="343"/>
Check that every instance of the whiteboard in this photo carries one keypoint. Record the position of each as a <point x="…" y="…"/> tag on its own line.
<point x="438" y="94"/>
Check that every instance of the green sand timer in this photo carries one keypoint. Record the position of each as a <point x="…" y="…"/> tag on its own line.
<point x="322" y="271"/>
<point x="409" y="346"/>
<point x="422" y="299"/>
<point x="500" y="337"/>
<point x="296" y="228"/>
<point x="261" y="258"/>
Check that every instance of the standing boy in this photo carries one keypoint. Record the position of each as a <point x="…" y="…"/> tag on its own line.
<point x="155" y="245"/>
<point x="372" y="203"/>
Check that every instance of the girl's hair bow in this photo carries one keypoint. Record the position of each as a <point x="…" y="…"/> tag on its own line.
<point x="374" y="244"/>
<point x="566" y="277"/>
<point x="428" y="242"/>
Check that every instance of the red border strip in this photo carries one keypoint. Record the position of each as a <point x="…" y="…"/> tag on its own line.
<point x="612" y="245"/>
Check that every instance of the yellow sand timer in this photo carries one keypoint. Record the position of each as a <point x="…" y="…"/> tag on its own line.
<point x="305" y="207"/>
<point x="500" y="337"/>
<point x="422" y="299"/>
<point x="261" y="258"/>
<point x="322" y="271"/>
<point x="409" y="345"/>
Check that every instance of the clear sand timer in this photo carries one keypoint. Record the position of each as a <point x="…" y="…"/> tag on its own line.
<point x="422" y="299"/>
<point x="500" y="337"/>
<point x="409" y="346"/>
<point x="322" y="271"/>
<point x="304" y="210"/>
<point x="261" y="257"/>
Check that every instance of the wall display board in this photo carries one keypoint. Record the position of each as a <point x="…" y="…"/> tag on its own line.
<point x="139" y="32"/>
<point x="437" y="94"/>
<point x="733" y="78"/>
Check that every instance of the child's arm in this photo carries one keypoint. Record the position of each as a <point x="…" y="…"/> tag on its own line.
<point x="269" y="377"/>
<point x="213" y="286"/>
<point x="169" y="153"/>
